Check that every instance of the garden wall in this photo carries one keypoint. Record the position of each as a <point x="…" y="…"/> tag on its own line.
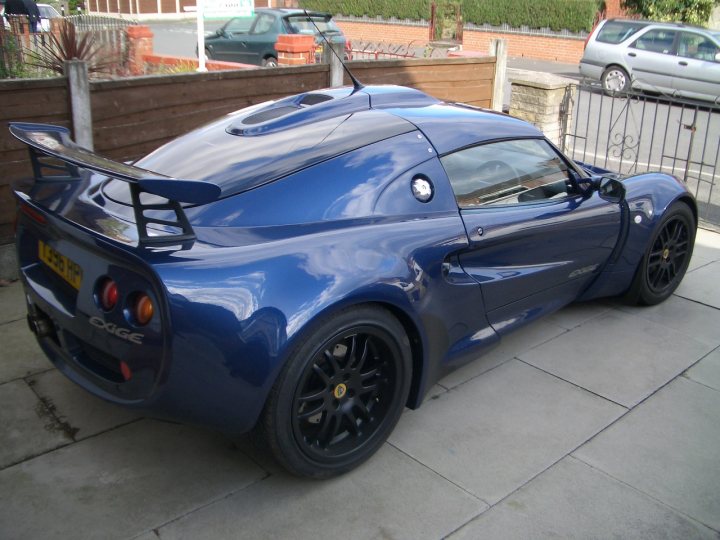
<point x="540" y="46"/>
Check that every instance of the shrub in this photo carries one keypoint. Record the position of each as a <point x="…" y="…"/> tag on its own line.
<point x="572" y="15"/>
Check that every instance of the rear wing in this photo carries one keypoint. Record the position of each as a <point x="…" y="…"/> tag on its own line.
<point x="47" y="144"/>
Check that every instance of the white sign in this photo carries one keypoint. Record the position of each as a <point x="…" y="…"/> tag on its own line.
<point x="224" y="9"/>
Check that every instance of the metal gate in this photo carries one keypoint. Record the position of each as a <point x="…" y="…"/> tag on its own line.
<point x="634" y="132"/>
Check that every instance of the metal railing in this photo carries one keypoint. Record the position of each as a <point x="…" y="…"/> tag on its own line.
<point x="635" y="132"/>
<point x="373" y="50"/>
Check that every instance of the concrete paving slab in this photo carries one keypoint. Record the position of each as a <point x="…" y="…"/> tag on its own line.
<point x="120" y="484"/>
<point x="532" y="335"/>
<point x="26" y="427"/>
<point x="496" y="432"/>
<point x="707" y="245"/>
<point x="692" y="319"/>
<point x="83" y="414"/>
<point x="707" y="249"/>
<point x="619" y="356"/>
<point x="574" y="315"/>
<point x="573" y="500"/>
<point x="20" y="355"/>
<point x="12" y="303"/>
<point x="391" y="496"/>
<point x="668" y="448"/>
<point x="701" y="285"/>
<point x="707" y="371"/>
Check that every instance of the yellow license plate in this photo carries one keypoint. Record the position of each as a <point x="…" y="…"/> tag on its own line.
<point x="65" y="267"/>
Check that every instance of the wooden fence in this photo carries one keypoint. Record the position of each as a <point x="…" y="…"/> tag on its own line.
<point x="132" y="117"/>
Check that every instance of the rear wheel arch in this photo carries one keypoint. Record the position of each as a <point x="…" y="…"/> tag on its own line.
<point x="290" y="435"/>
<point x="616" y="67"/>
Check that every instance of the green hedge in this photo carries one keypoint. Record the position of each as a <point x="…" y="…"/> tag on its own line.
<point x="572" y="15"/>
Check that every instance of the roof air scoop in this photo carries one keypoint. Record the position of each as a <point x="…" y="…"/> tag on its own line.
<point x="299" y="110"/>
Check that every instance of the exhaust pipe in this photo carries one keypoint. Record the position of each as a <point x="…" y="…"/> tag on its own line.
<point x="40" y="325"/>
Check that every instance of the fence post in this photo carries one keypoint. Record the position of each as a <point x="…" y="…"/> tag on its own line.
<point x="498" y="49"/>
<point x="337" y="72"/>
<point x="544" y="100"/>
<point x="79" y="87"/>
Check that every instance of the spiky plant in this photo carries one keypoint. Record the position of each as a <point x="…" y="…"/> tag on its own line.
<point x="68" y="44"/>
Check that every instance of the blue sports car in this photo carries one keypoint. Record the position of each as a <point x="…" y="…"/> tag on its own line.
<point x="306" y="268"/>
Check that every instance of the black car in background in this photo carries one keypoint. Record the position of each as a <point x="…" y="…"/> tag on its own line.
<point x="251" y="40"/>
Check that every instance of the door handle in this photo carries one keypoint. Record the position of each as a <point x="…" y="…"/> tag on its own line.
<point x="632" y="54"/>
<point x="682" y="63"/>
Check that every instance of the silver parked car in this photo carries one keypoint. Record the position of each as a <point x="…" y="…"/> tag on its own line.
<point x="670" y="58"/>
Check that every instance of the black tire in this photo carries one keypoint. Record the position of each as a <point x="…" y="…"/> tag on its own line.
<point x="667" y="257"/>
<point x="208" y="54"/>
<point x="270" y="62"/>
<point x="615" y="79"/>
<point x="340" y="394"/>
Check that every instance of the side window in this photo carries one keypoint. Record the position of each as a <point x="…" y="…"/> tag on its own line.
<point x="507" y="172"/>
<point x="239" y="25"/>
<point x="658" y="40"/>
<point x="696" y="46"/>
<point x="618" y="31"/>
<point x="263" y="24"/>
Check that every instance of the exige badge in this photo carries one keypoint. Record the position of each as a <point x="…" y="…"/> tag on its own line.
<point x="115" y="330"/>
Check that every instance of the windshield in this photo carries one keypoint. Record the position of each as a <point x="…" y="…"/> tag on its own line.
<point x="299" y="24"/>
<point x="48" y="12"/>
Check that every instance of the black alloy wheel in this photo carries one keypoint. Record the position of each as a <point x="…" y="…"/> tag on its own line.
<point x="340" y="395"/>
<point x="667" y="258"/>
<point x="345" y="393"/>
<point x="668" y="255"/>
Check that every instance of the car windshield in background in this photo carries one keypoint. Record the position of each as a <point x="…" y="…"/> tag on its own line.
<point x="301" y="25"/>
<point x="618" y="31"/>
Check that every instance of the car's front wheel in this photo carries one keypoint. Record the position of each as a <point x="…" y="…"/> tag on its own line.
<point x="615" y="79"/>
<point x="340" y="394"/>
<point x="667" y="258"/>
<point x="270" y="62"/>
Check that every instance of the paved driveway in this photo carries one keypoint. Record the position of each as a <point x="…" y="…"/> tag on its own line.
<point x="600" y="421"/>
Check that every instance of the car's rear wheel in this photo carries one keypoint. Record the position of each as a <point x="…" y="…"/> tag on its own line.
<point x="667" y="258"/>
<point x="270" y="62"/>
<point x="615" y="79"/>
<point x="340" y="394"/>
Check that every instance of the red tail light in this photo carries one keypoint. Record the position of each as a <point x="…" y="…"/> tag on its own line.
<point x="33" y="214"/>
<point x="108" y="294"/>
<point x="125" y="370"/>
<point x="143" y="310"/>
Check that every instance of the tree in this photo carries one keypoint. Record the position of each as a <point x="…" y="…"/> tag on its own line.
<point x="688" y="11"/>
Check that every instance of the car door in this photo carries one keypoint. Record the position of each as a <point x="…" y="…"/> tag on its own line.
<point x="652" y="61"/>
<point x="536" y="238"/>
<point x="231" y="42"/>
<point x="262" y="37"/>
<point x="697" y="72"/>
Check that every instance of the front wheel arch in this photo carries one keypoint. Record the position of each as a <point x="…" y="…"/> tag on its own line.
<point x="647" y="291"/>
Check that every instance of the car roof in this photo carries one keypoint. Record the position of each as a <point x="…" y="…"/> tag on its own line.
<point x="260" y="144"/>
<point x="671" y="24"/>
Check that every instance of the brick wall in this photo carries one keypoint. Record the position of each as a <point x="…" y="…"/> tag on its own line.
<point x="556" y="49"/>
<point x="389" y="33"/>
<point x="559" y="49"/>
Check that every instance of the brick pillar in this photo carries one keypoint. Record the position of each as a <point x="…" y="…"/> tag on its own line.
<point x="295" y="49"/>
<point x="538" y="98"/>
<point x="140" y="43"/>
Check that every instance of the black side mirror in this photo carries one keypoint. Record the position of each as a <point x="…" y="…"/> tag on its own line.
<point x="611" y="190"/>
<point x="608" y="188"/>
